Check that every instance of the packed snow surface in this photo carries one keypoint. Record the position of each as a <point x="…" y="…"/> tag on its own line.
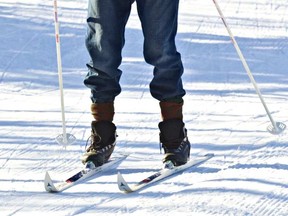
<point x="222" y="112"/>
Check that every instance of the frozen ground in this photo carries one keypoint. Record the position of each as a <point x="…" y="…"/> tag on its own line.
<point x="248" y="175"/>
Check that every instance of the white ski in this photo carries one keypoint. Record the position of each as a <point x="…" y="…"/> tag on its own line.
<point x="168" y="170"/>
<point x="85" y="173"/>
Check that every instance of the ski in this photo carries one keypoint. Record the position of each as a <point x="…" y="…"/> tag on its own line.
<point x="88" y="171"/>
<point x="168" y="170"/>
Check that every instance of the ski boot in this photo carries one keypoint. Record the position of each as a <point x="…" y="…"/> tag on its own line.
<point x="102" y="143"/>
<point x="174" y="140"/>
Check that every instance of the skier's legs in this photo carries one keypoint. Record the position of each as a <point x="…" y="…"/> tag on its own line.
<point x="104" y="41"/>
<point x="159" y="23"/>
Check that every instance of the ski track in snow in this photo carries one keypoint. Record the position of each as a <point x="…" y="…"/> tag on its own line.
<point x="223" y="115"/>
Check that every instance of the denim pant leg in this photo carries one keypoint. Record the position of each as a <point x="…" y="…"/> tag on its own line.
<point x="104" y="41"/>
<point x="159" y="23"/>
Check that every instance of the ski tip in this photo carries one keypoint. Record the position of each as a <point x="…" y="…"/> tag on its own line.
<point x="47" y="178"/>
<point x="48" y="184"/>
<point x="122" y="184"/>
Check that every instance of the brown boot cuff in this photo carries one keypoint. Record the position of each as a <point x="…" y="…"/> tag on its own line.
<point x="171" y="110"/>
<point x="103" y="111"/>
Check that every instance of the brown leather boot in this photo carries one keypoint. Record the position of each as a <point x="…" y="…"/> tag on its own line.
<point x="174" y="140"/>
<point x="102" y="143"/>
<point x="103" y="134"/>
<point x="173" y="135"/>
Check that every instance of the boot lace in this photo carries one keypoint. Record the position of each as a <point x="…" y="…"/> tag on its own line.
<point x="94" y="139"/>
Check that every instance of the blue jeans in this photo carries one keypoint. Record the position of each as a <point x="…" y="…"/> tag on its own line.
<point x="105" y="39"/>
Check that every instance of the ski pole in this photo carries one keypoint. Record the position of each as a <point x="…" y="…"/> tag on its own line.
<point x="65" y="138"/>
<point x="276" y="127"/>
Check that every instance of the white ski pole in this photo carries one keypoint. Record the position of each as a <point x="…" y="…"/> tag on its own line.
<point x="276" y="127"/>
<point x="65" y="138"/>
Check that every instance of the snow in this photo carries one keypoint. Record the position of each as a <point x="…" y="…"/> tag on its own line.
<point x="223" y="114"/>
